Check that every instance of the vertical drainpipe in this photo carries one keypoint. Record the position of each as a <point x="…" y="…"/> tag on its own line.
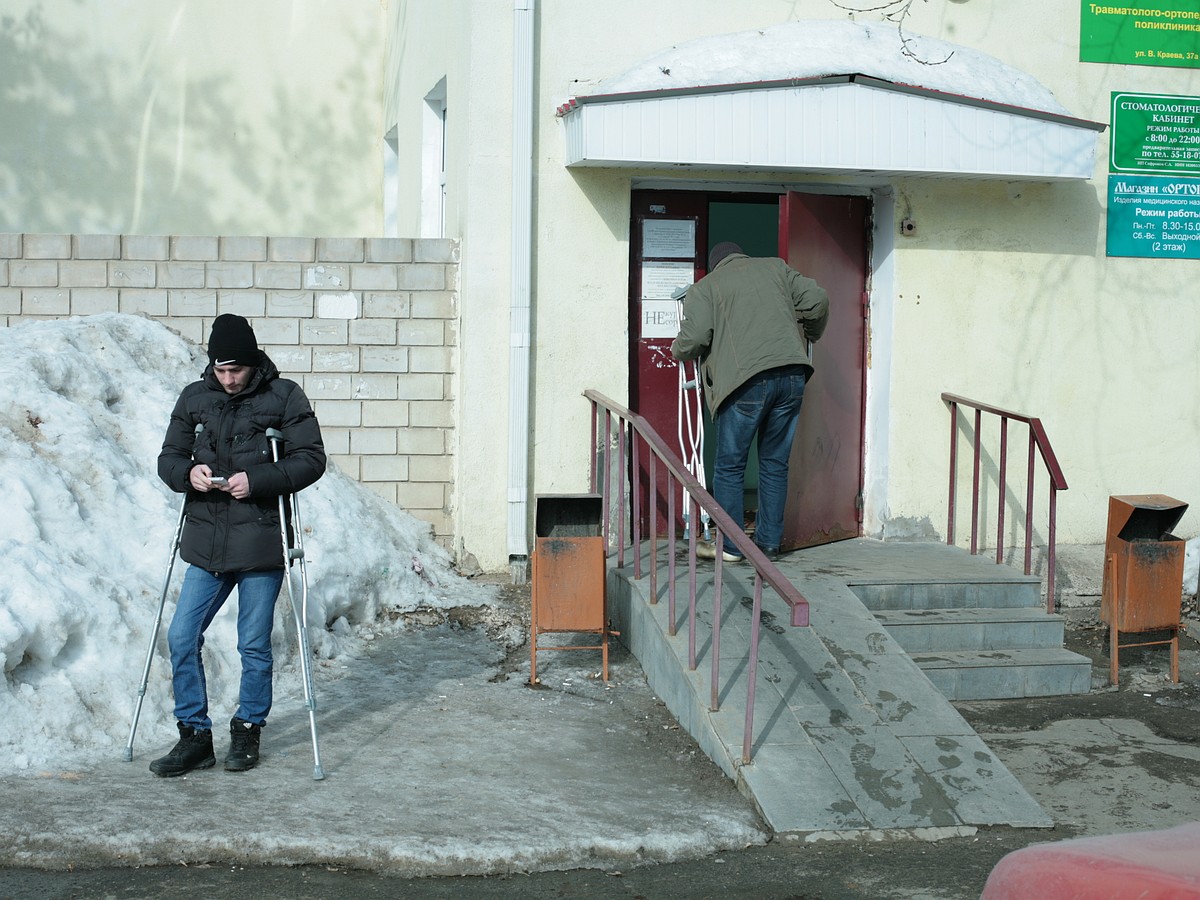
<point x="519" y="381"/>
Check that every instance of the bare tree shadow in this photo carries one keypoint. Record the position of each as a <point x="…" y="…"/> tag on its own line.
<point x="89" y="147"/>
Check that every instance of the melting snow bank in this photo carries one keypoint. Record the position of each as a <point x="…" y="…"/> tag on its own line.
<point x="87" y="532"/>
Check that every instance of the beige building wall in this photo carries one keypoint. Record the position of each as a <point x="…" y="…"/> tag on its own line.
<point x="220" y="117"/>
<point x="216" y="123"/>
<point x="367" y="326"/>
<point x="1003" y="294"/>
<point x="468" y="43"/>
<point x="225" y="119"/>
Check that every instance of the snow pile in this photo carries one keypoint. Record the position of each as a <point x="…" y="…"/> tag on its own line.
<point x="813" y="49"/>
<point x="1191" y="567"/>
<point x="88" y="530"/>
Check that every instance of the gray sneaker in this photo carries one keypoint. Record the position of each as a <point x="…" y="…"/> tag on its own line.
<point x="708" y="550"/>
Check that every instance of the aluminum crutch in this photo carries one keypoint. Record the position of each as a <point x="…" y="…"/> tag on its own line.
<point x="299" y="614"/>
<point x="162" y="601"/>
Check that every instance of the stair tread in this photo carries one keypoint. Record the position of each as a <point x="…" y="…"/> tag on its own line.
<point x="949" y="595"/>
<point x="1026" y="656"/>
<point x="890" y="579"/>
<point x="967" y="614"/>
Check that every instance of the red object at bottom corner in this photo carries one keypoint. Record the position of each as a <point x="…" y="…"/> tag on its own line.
<point x="1147" y="865"/>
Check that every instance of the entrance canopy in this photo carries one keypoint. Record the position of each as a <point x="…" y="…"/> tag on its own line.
<point x="774" y="100"/>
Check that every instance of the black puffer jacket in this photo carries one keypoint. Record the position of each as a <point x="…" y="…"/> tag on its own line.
<point x="222" y="534"/>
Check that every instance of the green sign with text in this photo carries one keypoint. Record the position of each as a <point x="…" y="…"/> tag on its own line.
<point x="1153" y="217"/>
<point x="1142" y="33"/>
<point x="1155" y="134"/>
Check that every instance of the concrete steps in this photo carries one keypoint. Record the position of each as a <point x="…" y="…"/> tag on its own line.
<point x="995" y="587"/>
<point x="980" y="640"/>
<point x="851" y="738"/>
<point x="918" y="630"/>
<point x="1006" y="674"/>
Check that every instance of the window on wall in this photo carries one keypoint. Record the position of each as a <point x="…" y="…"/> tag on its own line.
<point x="433" y="163"/>
<point x="391" y="185"/>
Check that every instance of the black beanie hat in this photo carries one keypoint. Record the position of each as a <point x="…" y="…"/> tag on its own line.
<point x="232" y="342"/>
<point x="720" y="251"/>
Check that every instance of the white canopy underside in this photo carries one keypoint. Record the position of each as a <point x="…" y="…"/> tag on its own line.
<point x="848" y="125"/>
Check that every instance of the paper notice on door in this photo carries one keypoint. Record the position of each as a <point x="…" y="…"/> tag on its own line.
<point x="661" y="280"/>
<point x="660" y="319"/>
<point x="669" y="238"/>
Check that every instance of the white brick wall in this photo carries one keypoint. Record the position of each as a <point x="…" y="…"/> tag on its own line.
<point x="378" y="369"/>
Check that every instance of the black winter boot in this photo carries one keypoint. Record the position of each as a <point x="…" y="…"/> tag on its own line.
<point x="193" y="751"/>
<point x="243" y="745"/>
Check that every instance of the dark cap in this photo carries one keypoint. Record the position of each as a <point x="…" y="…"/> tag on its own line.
<point x="232" y="342"/>
<point x="720" y="251"/>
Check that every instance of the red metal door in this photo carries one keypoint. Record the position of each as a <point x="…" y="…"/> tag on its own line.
<point x="825" y="237"/>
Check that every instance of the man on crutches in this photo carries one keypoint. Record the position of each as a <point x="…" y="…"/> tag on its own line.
<point x="234" y="479"/>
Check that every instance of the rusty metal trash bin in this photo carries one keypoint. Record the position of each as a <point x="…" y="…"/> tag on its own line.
<point x="1143" y="573"/>
<point x="569" y="574"/>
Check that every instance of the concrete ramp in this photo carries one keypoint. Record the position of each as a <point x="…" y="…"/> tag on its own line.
<point x="851" y="739"/>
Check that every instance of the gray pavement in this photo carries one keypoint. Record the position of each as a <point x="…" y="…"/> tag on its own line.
<point x="434" y="766"/>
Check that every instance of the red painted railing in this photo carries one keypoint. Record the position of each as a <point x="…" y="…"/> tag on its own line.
<point x="1038" y="444"/>
<point x="633" y="435"/>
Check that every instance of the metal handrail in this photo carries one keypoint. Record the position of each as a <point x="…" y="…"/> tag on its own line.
<point x="1038" y="441"/>
<point x="635" y="430"/>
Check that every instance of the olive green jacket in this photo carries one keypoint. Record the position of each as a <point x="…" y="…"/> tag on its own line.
<point x="747" y="315"/>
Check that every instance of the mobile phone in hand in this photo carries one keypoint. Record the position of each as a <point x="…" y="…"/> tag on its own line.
<point x="218" y="480"/>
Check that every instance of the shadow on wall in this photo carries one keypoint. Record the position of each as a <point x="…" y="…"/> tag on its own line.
<point x="89" y="145"/>
<point x="1054" y="219"/>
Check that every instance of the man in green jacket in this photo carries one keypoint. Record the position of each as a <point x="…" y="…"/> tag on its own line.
<point x="750" y="322"/>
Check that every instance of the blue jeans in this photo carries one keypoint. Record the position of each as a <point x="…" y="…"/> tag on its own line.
<point x="201" y="597"/>
<point x="767" y="405"/>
